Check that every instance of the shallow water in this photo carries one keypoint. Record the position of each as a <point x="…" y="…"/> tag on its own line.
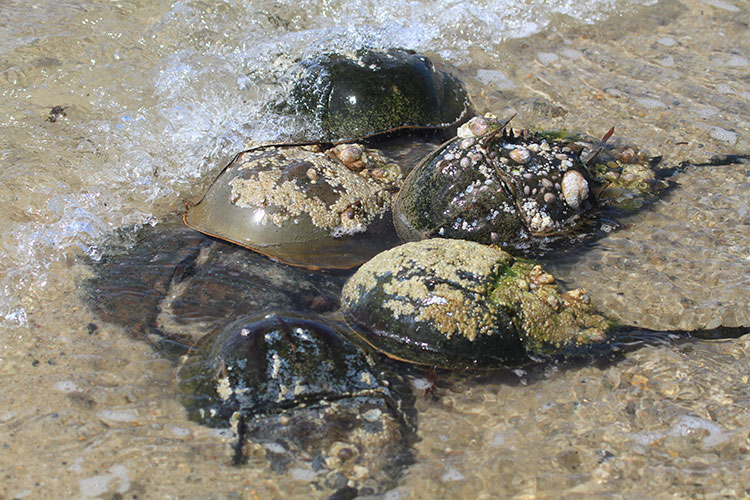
<point x="158" y="95"/>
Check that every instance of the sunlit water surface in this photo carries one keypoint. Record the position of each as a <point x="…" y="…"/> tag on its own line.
<point x="158" y="95"/>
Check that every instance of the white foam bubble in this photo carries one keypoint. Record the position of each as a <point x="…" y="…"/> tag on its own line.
<point x="95" y="486"/>
<point x="723" y="135"/>
<point x="452" y="474"/>
<point x="66" y="386"/>
<point x="547" y="57"/>
<point x="737" y="62"/>
<point x="495" y="78"/>
<point x="571" y="54"/>
<point x="118" y="415"/>
<point x="688" y="424"/>
<point x="667" y="61"/>
<point x="721" y="4"/>
<point x="667" y="41"/>
<point x="650" y="103"/>
<point x="299" y="474"/>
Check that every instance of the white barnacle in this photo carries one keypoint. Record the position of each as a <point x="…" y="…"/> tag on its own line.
<point x="223" y="389"/>
<point x="575" y="188"/>
<point x="276" y="365"/>
<point x="520" y="155"/>
<point x="366" y="378"/>
<point x="434" y="299"/>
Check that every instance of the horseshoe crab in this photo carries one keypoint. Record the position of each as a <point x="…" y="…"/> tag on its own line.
<point x="303" y="205"/>
<point x="296" y="384"/>
<point x="369" y="93"/>
<point x="171" y="285"/>
<point x="498" y="185"/>
<point x="299" y="394"/>
<point x="460" y="304"/>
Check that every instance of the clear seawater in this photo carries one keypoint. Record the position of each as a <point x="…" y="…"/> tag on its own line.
<point x="158" y="95"/>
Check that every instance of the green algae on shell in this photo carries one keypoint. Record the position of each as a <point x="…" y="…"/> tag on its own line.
<point x="369" y="93"/>
<point x="459" y="304"/>
<point x="625" y="178"/>
<point x="302" y="205"/>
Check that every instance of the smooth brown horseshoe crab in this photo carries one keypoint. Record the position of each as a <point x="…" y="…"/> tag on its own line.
<point x="303" y="205"/>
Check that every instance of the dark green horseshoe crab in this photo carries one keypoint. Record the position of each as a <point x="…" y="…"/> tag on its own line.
<point x="498" y="185"/>
<point x="368" y="93"/>
<point x="298" y="393"/>
<point x="300" y="387"/>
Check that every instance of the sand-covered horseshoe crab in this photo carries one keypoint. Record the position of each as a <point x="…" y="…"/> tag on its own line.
<point x="498" y="185"/>
<point x="461" y="304"/>
<point x="303" y="205"/>
<point x="369" y="93"/>
<point x="295" y="387"/>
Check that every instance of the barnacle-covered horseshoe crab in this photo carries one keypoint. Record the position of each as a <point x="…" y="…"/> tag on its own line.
<point x="297" y="385"/>
<point x="352" y="96"/>
<point x="460" y="304"/>
<point x="498" y="185"/>
<point x="303" y="205"/>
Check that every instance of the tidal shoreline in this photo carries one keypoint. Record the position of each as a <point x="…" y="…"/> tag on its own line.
<point x="91" y="412"/>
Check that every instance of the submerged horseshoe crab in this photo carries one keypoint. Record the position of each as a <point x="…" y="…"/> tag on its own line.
<point x="498" y="185"/>
<point x="303" y="396"/>
<point x="370" y="93"/>
<point x="294" y="386"/>
<point x="460" y="304"/>
<point x="303" y="205"/>
<point x="171" y="285"/>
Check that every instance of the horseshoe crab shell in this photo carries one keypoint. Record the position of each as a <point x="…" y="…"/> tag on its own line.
<point x="461" y="304"/>
<point x="262" y="364"/>
<point x="297" y="391"/>
<point x="369" y="93"/>
<point x="302" y="205"/>
<point x="497" y="185"/>
<point x="497" y="188"/>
